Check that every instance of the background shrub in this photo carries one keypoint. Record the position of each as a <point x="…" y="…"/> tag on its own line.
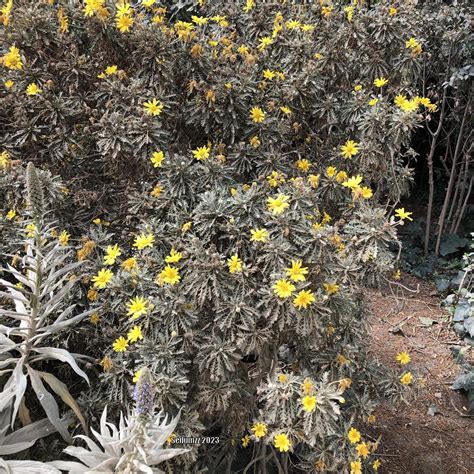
<point x="229" y="176"/>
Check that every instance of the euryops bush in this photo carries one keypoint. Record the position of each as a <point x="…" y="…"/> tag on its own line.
<point x="229" y="178"/>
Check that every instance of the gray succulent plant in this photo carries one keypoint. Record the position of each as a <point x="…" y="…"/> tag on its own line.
<point x="135" y="446"/>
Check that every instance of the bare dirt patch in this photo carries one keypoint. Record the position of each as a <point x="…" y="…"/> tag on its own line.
<point x="413" y="441"/>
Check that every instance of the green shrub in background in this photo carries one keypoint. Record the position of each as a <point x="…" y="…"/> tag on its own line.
<point x="231" y="178"/>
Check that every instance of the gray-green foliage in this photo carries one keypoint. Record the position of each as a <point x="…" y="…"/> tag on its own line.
<point x="138" y="444"/>
<point x="22" y="439"/>
<point x="38" y="309"/>
<point x="215" y="341"/>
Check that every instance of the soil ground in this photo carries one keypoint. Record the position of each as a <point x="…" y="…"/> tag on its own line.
<point x="414" y="441"/>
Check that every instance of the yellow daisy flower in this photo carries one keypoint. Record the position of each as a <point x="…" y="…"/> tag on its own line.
<point x="283" y="288"/>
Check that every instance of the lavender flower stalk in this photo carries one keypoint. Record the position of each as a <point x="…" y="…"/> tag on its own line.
<point x="143" y="394"/>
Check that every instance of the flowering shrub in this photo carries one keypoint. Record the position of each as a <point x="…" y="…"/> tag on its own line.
<point x="233" y="179"/>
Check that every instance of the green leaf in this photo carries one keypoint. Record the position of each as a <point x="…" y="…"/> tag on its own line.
<point x="451" y="244"/>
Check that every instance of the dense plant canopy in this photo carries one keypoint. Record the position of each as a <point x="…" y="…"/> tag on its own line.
<point x="228" y="177"/>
